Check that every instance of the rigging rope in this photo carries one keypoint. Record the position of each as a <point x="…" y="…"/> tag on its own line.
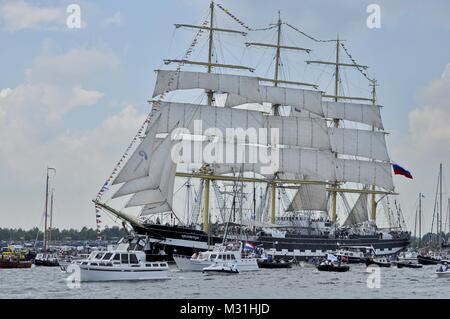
<point x="360" y="69"/>
<point x="243" y="24"/>
<point x="307" y="35"/>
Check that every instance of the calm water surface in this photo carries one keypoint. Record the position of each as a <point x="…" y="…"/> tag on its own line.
<point x="297" y="282"/>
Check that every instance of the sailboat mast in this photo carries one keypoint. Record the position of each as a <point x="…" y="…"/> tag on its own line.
<point x="420" y="219"/>
<point x="336" y="124"/>
<point x="440" y="204"/>
<point x="51" y="217"/>
<point x="46" y="214"/>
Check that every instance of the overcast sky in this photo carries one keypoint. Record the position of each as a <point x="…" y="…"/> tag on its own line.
<point x="74" y="98"/>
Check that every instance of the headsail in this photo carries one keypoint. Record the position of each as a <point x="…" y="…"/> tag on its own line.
<point x="309" y="198"/>
<point x="359" y="213"/>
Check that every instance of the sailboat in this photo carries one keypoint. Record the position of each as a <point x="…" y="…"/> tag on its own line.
<point x="45" y="258"/>
<point x="304" y="136"/>
<point x="430" y="258"/>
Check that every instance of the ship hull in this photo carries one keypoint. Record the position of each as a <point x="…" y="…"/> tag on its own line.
<point x="185" y="241"/>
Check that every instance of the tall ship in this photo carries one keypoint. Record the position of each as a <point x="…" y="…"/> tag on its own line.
<point x="278" y="163"/>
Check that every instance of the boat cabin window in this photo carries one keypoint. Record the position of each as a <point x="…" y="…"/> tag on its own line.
<point x="107" y="256"/>
<point x="116" y="257"/>
<point x="124" y="258"/>
<point x="213" y="256"/>
<point x="133" y="259"/>
<point x="99" y="256"/>
<point x="232" y="257"/>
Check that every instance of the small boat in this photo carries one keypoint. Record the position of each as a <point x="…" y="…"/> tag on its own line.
<point x="274" y="264"/>
<point x="333" y="267"/>
<point x="14" y="264"/>
<point x="404" y="264"/>
<point x="428" y="260"/>
<point x="354" y="254"/>
<point x="219" y="254"/>
<point x="219" y="268"/>
<point x="381" y="262"/>
<point x="443" y="271"/>
<point x="46" y="260"/>
<point x="119" y="265"/>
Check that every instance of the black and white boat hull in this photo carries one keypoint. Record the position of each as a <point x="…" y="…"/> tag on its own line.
<point x="186" y="241"/>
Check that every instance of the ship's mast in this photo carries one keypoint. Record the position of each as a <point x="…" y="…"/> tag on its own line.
<point x="210" y="66"/>
<point x="374" y="202"/>
<point x="51" y="217"/>
<point x="336" y="97"/>
<point x="276" y="80"/>
<point x="420" y="218"/>
<point x="440" y="206"/>
<point x="46" y="232"/>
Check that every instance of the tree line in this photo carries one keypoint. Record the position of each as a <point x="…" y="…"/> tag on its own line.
<point x="8" y="234"/>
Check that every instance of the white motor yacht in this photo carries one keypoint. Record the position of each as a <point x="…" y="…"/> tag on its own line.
<point x="119" y="265"/>
<point x="220" y="254"/>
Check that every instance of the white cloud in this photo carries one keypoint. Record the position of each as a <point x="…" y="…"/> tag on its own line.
<point x="426" y="146"/>
<point x="19" y="15"/>
<point x="31" y="139"/>
<point x="429" y="124"/>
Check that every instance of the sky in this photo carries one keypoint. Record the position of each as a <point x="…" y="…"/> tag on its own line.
<point x="73" y="98"/>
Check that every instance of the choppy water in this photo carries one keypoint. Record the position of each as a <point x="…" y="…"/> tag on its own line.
<point x="297" y="282"/>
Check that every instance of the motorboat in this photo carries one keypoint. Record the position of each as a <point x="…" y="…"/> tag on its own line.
<point x="219" y="254"/>
<point x="443" y="271"/>
<point x="332" y="267"/>
<point x="46" y="260"/>
<point x="428" y="260"/>
<point x="378" y="261"/>
<point x="14" y="264"/>
<point x="408" y="264"/>
<point x="274" y="264"/>
<point x="119" y="265"/>
<point x="221" y="268"/>
<point x="354" y="254"/>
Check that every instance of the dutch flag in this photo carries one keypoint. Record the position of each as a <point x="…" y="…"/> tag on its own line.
<point x="249" y="246"/>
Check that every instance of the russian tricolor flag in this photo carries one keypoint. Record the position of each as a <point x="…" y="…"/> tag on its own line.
<point x="398" y="170"/>
<point x="249" y="246"/>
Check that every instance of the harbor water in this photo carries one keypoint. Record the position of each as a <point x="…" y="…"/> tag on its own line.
<point x="295" y="283"/>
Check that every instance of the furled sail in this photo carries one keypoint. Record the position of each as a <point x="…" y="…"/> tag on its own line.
<point x="309" y="197"/>
<point x="361" y="113"/>
<point x="224" y="83"/>
<point x="297" y="98"/>
<point x="359" y="213"/>
<point x="362" y="143"/>
<point x="301" y="132"/>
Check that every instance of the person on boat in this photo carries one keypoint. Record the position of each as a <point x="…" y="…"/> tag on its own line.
<point x="445" y="267"/>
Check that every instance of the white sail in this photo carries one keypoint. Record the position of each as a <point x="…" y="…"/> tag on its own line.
<point x="160" y="155"/>
<point x="309" y="197"/>
<point x="365" y="172"/>
<point x="225" y="83"/>
<point x="160" y="196"/>
<point x="359" y="213"/>
<point x="362" y="143"/>
<point x="361" y="113"/>
<point x="302" y="132"/>
<point x="137" y="165"/>
<point x="297" y="98"/>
